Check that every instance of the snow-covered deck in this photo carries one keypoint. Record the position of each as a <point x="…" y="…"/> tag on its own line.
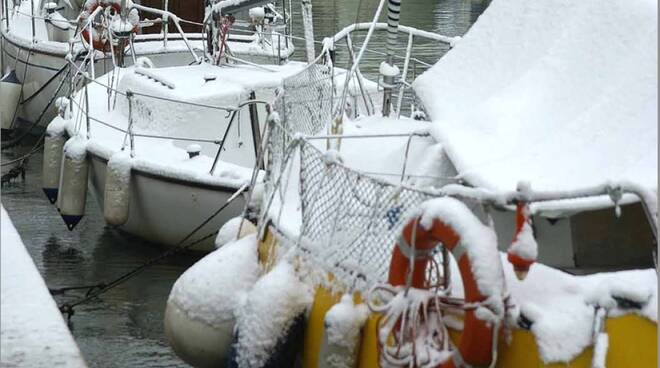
<point x="33" y="331"/>
<point x="163" y="116"/>
<point x="560" y="94"/>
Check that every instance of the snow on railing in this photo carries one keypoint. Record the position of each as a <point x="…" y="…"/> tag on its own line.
<point x="614" y="190"/>
<point x="451" y="41"/>
<point x="349" y="219"/>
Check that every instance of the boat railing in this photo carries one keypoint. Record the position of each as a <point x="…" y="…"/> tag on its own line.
<point x="130" y="134"/>
<point x="166" y="16"/>
<point x="350" y="219"/>
<point x="343" y="43"/>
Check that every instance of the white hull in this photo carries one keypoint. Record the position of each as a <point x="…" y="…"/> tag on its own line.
<point x="43" y="65"/>
<point x="165" y="210"/>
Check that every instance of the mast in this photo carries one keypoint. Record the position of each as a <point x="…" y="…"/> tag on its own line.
<point x="309" y="29"/>
<point x="388" y="70"/>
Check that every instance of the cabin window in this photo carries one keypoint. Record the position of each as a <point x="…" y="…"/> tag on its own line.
<point x="192" y="10"/>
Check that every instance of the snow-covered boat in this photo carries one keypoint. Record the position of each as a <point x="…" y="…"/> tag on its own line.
<point x="170" y="150"/>
<point x="35" y="36"/>
<point x="373" y="248"/>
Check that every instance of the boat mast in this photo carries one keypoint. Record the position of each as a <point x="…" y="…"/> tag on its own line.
<point x="390" y="71"/>
<point x="309" y="30"/>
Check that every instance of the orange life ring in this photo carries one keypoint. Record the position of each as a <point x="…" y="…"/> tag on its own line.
<point x="475" y="347"/>
<point x="97" y="42"/>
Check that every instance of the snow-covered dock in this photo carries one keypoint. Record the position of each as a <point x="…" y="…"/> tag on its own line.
<point x="33" y="332"/>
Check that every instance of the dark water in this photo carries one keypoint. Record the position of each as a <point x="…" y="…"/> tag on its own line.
<point x="124" y="327"/>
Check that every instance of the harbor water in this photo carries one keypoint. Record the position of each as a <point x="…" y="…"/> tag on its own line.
<point x="124" y="327"/>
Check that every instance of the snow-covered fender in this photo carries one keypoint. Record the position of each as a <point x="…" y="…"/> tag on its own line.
<point x="475" y="346"/>
<point x="521" y="261"/>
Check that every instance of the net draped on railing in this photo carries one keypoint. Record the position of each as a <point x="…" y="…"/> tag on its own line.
<point x="350" y="221"/>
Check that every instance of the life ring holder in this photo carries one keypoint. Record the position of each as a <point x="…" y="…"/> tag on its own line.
<point x="98" y="42"/>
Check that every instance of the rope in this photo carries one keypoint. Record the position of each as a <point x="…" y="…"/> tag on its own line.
<point x="34" y="150"/>
<point x="26" y="100"/>
<point x="68" y="308"/>
<point x="14" y="173"/>
<point x="109" y="125"/>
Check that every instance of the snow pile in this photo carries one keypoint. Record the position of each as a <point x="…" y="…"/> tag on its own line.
<point x="33" y="331"/>
<point x="343" y="323"/>
<point x="257" y="13"/>
<point x="265" y="315"/>
<point x="524" y="246"/>
<point x="120" y="165"/>
<point x="562" y="328"/>
<point x="388" y="70"/>
<point x="560" y="93"/>
<point x="208" y="291"/>
<point x="344" y="320"/>
<point x="76" y="148"/>
<point x="229" y="232"/>
<point x="561" y="307"/>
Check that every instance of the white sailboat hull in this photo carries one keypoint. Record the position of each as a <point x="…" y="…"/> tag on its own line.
<point x="165" y="210"/>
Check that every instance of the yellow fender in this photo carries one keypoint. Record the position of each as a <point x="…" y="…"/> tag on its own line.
<point x="633" y="340"/>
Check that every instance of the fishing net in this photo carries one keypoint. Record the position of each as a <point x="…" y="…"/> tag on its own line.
<point x="349" y="221"/>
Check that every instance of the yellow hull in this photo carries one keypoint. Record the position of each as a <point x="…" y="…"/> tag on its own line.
<point x="633" y="339"/>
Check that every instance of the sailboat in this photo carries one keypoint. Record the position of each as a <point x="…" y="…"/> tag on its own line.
<point x="38" y="36"/>
<point x="170" y="151"/>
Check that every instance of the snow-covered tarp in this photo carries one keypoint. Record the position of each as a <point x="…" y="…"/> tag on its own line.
<point x="33" y="333"/>
<point x="559" y="93"/>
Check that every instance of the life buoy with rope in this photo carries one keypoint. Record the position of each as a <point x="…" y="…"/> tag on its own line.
<point x="98" y="41"/>
<point x="477" y="341"/>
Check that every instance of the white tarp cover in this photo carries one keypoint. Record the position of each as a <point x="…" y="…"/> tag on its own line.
<point x="560" y="93"/>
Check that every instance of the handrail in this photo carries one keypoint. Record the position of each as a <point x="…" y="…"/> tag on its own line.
<point x="126" y="131"/>
<point x="231" y="121"/>
<point x="405" y="29"/>
<point x="86" y="76"/>
<point x="614" y="190"/>
<point x="175" y="19"/>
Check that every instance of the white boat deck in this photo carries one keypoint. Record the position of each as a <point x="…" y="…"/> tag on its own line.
<point x="33" y="332"/>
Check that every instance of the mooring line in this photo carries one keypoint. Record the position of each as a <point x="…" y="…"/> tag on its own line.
<point x="68" y="308"/>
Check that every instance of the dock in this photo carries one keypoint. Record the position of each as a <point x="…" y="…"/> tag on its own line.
<point x="33" y="331"/>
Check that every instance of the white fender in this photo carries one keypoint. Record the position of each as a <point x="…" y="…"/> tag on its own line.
<point x="117" y="189"/>
<point x="10" y="94"/>
<point x="199" y="317"/>
<point x="72" y="192"/>
<point x="52" y="162"/>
